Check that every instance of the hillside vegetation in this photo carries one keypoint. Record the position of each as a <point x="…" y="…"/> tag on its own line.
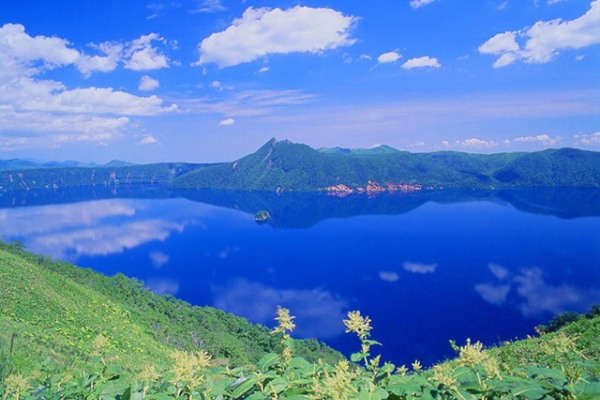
<point x="285" y="166"/>
<point x="55" y="309"/>
<point x="70" y="333"/>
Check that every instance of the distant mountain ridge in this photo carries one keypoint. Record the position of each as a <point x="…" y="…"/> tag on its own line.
<point x="286" y="166"/>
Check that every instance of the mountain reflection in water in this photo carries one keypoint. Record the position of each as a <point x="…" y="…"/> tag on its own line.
<point x="425" y="266"/>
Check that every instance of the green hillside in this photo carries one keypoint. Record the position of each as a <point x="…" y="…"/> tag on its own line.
<point x="51" y="308"/>
<point x="286" y="166"/>
<point x="113" y="175"/>
<point x="70" y="333"/>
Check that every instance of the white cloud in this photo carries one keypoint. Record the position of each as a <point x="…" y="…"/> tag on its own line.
<point x="389" y="57"/>
<point x="419" y="268"/>
<point x="140" y="55"/>
<point x="545" y="39"/>
<point x="263" y="31"/>
<point x="476" y="143"/>
<point x="148" y="140"/>
<point x="227" y="122"/>
<point x="33" y="105"/>
<point x="158" y="259"/>
<point x="365" y="57"/>
<point x="209" y="6"/>
<point x="421" y="62"/>
<point x="147" y="84"/>
<point x="388" y="276"/>
<point x="591" y="139"/>
<point x="264" y="69"/>
<point x="27" y="94"/>
<point x="249" y="103"/>
<point x="545" y="139"/>
<point x="420" y="3"/>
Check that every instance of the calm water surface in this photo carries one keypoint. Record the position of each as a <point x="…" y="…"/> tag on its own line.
<point x="425" y="267"/>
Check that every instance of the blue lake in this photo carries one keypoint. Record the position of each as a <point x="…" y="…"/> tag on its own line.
<point x="426" y="267"/>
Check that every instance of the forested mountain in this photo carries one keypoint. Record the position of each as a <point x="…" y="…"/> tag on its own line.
<point x="286" y="166"/>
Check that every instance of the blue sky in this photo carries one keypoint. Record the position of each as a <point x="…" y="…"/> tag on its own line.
<point x="212" y="80"/>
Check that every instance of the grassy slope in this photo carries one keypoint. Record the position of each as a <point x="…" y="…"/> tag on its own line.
<point x="57" y="309"/>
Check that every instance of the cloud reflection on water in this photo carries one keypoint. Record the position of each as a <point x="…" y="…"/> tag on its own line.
<point x="536" y="297"/>
<point x="319" y="313"/>
<point x="92" y="228"/>
<point x="419" y="268"/>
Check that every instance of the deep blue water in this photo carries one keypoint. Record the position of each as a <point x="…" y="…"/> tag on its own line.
<point x="425" y="267"/>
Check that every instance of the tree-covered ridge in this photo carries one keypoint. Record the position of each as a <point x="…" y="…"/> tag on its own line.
<point x="111" y="175"/>
<point x="286" y="166"/>
<point x="55" y="309"/>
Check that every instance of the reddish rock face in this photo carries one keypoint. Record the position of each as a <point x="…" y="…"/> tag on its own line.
<point x="339" y="190"/>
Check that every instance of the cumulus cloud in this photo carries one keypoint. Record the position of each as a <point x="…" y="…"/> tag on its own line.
<point x="147" y="84"/>
<point x="543" y="41"/>
<point x="263" y="31"/>
<point x="34" y="105"/>
<point x="419" y="268"/>
<point x="419" y="3"/>
<point x="227" y="122"/>
<point x="140" y="55"/>
<point x="389" y="57"/>
<point x="148" y="140"/>
<point x="421" y="62"/>
<point x="545" y="139"/>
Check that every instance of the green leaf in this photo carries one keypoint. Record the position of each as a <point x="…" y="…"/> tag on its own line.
<point x="529" y="391"/>
<point x="267" y="361"/>
<point x="356" y="357"/>
<point x="588" y="390"/>
<point x="244" y="387"/>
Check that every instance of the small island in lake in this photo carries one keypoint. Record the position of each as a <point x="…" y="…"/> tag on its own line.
<point x="262" y="216"/>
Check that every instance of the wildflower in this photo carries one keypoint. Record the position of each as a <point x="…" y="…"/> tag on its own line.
<point x="416" y="366"/>
<point x="16" y="384"/>
<point x="336" y="385"/>
<point x="402" y="370"/>
<point x="471" y="355"/>
<point x="492" y="368"/>
<point x="99" y="345"/>
<point x="442" y="375"/>
<point x="358" y="324"/>
<point x="285" y="321"/>
<point x="188" y="367"/>
<point x="148" y="374"/>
